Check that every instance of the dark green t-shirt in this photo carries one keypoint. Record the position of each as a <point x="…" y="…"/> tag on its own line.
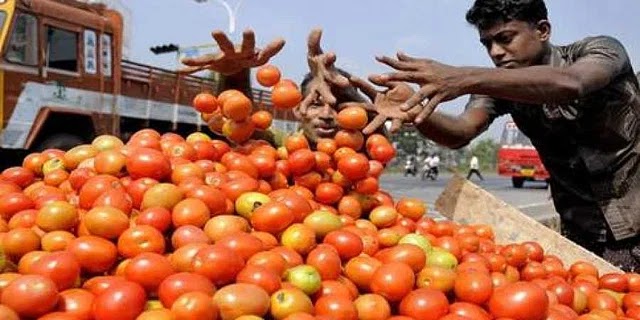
<point x="591" y="146"/>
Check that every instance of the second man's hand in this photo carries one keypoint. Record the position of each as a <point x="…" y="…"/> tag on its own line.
<point x="439" y="82"/>
<point x="386" y="104"/>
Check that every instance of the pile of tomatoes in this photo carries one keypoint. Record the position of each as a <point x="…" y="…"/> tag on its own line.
<point x="167" y="227"/>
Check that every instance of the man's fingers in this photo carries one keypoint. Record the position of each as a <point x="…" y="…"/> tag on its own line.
<point x="428" y="109"/>
<point x="270" y="50"/>
<point x="338" y="80"/>
<point x="378" y="121"/>
<point x="403" y="76"/>
<point x="307" y="101"/>
<point x="324" y="90"/>
<point x="379" y="80"/>
<point x="190" y="70"/>
<point x="200" y="60"/>
<point x="223" y="41"/>
<point x="366" y="88"/>
<point x="405" y="57"/>
<point x="329" y="59"/>
<point x="396" y="64"/>
<point x="313" y="42"/>
<point x="396" y="124"/>
<point x="248" y="42"/>
<point x="414" y="100"/>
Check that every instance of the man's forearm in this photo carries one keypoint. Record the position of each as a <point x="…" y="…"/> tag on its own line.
<point x="535" y="85"/>
<point x="446" y="130"/>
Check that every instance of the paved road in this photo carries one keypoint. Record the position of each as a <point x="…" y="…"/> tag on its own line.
<point x="532" y="199"/>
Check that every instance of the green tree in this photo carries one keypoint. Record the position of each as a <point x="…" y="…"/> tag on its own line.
<point x="487" y="151"/>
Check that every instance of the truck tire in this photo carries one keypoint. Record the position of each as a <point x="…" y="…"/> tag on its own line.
<point x="62" y="141"/>
<point x="517" y="182"/>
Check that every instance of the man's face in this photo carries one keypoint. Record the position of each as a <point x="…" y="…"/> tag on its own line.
<point x="320" y="120"/>
<point x="516" y="44"/>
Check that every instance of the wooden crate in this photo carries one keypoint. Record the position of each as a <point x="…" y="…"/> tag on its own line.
<point x="463" y="201"/>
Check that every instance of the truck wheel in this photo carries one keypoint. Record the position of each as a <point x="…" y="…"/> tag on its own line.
<point x="62" y="141"/>
<point x="517" y="182"/>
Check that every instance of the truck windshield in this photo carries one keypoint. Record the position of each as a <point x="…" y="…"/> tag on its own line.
<point x="3" y="17"/>
<point x="512" y="136"/>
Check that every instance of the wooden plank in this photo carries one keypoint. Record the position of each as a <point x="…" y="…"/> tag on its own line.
<point x="463" y="201"/>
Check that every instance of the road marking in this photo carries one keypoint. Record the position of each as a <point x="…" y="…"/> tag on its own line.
<point x="531" y="205"/>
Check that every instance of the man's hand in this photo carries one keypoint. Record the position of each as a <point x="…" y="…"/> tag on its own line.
<point x="386" y="103"/>
<point x="323" y="71"/>
<point x="233" y="59"/>
<point x="439" y="82"/>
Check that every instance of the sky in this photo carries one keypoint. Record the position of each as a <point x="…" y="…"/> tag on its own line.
<point x="358" y="30"/>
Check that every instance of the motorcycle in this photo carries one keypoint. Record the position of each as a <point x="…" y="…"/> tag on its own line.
<point x="430" y="173"/>
<point x="410" y="169"/>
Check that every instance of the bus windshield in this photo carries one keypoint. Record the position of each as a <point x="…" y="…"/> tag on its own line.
<point x="512" y="136"/>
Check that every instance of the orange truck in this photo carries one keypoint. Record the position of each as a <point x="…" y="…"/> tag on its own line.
<point x="63" y="81"/>
<point x="518" y="158"/>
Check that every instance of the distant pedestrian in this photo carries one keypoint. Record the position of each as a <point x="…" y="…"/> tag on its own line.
<point x="474" y="168"/>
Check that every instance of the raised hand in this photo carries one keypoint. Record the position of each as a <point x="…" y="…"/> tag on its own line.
<point x="439" y="82"/>
<point x="231" y="58"/>
<point x="386" y="104"/>
<point x="325" y="75"/>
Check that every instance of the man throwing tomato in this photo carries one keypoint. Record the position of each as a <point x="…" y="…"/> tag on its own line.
<point x="578" y="103"/>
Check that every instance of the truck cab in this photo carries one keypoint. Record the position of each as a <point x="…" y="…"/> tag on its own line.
<point x="518" y="158"/>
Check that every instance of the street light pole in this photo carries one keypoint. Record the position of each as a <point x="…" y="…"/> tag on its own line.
<point x="231" y="12"/>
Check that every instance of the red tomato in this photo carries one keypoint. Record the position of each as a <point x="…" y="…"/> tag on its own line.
<point x="393" y="281"/>
<point x="172" y="287"/>
<point x="61" y="267"/>
<point x="30" y="295"/>
<point x="95" y="187"/>
<point x="212" y="197"/>
<point x="157" y="217"/>
<point x="519" y="301"/>
<point x="19" y="175"/>
<point x="614" y="281"/>
<point x="269" y="260"/>
<point x="336" y="307"/>
<point x="409" y="254"/>
<point x="122" y="301"/>
<point x="272" y="217"/>
<point x="346" y="243"/>
<point x="218" y="264"/>
<point x="137" y="188"/>
<point x="76" y="302"/>
<point x="194" y="305"/>
<point x="241" y="299"/>
<point x="354" y="166"/>
<point x="301" y="161"/>
<point x="260" y="276"/>
<point x="242" y="244"/>
<point x="427" y="304"/>
<point x="474" y="287"/>
<point x="95" y="254"/>
<point x="138" y="239"/>
<point x="149" y="163"/>
<point x="326" y="260"/>
<point x="469" y="310"/>
<point x="14" y="202"/>
<point x="148" y="270"/>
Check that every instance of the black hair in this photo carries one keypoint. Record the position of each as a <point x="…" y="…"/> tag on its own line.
<point x="486" y="13"/>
